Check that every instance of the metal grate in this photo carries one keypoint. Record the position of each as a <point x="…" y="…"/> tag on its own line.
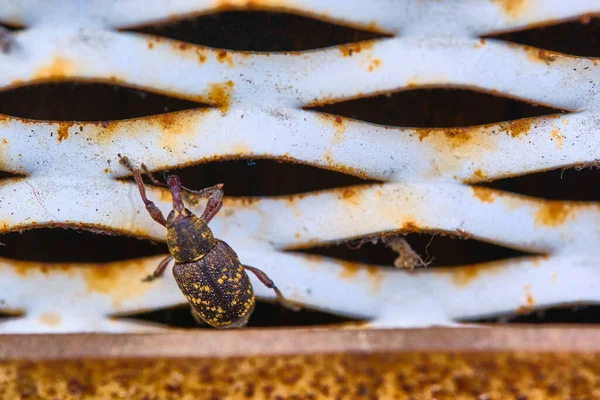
<point x="70" y="170"/>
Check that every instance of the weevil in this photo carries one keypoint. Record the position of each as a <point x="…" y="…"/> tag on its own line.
<point x="206" y="269"/>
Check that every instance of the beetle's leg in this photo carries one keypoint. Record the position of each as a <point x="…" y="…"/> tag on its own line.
<point x="265" y="280"/>
<point x="214" y="203"/>
<point x="154" y="211"/>
<point x="159" y="270"/>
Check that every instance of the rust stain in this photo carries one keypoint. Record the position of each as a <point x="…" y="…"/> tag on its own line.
<point x="423" y="133"/>
<point x="455" y="137"/>
<point x="349" y="269"/>
<point x="484" y="195"/>
<point x="554" y="276"/>
<point x="201" y="56"/>
<point x="224" y="57"/>
<point x="458" y="136"/>
<point x="465" y="275"/>
<point x="219" y="94"/>
<point x="479" y="175"/>
<point x="530" y="300"/>
<point x="512" y="8"/>
<point x="338" y="124"/>
<point x="480" y="44"/>
<point x="4" y="141"/>
<point x="557" y="137"/>
<point x="150" y="44"/>
<point x="50" y="319"/>
<point x="173" y="123"/>
<point x="518" y="127"/>
<point x="410" y="226"/>
<point x="374" y="64"/>
<point x="349" y="49"/>
<point x="545" y="56"/>
<point x="350" y="195"/>
<point x="119" y="280"/>
<point x="58" y="68"/>
<point x="63" y="131"/>
<point x="553" y="214"/>
<point x="426" y="375"/>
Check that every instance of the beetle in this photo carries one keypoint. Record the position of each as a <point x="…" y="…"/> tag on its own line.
<point x="206" y="269"/>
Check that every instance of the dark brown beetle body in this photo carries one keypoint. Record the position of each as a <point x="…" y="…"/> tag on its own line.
<point x="217" y="287"/>
<point x="208" y="271"/>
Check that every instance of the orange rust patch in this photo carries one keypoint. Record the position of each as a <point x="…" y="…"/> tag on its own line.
<point x="4" y="141"/>
<point x="410" y="226"/>
<point x="553" y="214"/>
<point x="119" y="280"/>
<point x="63" y="132"/>
<point x="224" y="57"/>
<point x="458" y="136"/>
<point x="350" y="195"/>
<point x="530" y="300"/>
<point x="518" y="127"/>
<point x="455" y="136"/>
<point x="337" y="122"/>
<point x="170" y="123"/>
<point x="374" y="64"/>
<point x="49" y="318"/>
<point x="464" y="276"/>
<point x="423" y="133"/>
<point x="557" y="137"/>
<point x="512" y="8"/>
<point x="150" y="44"/>
<point x="349" y="269"/>
<point x="349" y="49"/>
<point x="479" y="175"/>
<point x="485" y="195"/>
<point x="545" y="56"/>
<point x="58" y="68"/>
<point x="201" y="56"/>
<point x="219" y="94"/>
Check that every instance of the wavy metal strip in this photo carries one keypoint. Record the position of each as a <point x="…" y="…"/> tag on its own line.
<point x="297" y="79"/>
<point x="473" y="154"/>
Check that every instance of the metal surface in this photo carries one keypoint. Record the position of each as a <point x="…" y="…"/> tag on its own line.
<point x="257" y="98"/>
<point x="494" y="363"/>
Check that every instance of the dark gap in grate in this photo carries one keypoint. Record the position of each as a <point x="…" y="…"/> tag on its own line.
<point x="563" y="314"/>
<point x="441" y="251"/>
<point x="435" y="108"/>
<point x="576" y="184"/>
<point x="579" y="38"/>
<point x="265" y="315"/>
<point x="8" y="175"/>
<point x="86" y="102"/>
<point x="258" y="31"/>
<point x="71" y="246"/>
<point x="262" y="177"/>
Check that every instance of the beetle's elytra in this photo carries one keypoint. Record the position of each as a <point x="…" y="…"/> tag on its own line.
<point x="208" y="271"/>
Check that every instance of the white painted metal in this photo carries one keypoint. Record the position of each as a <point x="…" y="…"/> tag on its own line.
<point x="71" y="168"/>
